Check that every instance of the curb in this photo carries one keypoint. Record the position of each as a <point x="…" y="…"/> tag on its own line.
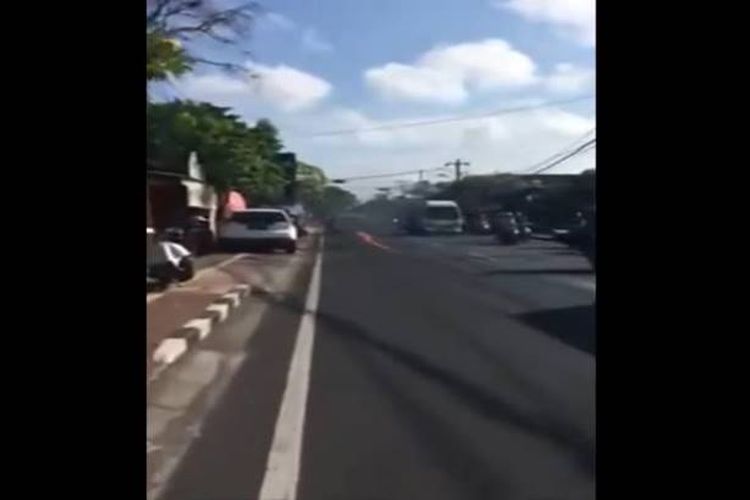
<point x="176" y="345"/>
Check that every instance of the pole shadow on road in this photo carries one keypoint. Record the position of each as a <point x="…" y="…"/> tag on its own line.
<point x="476" y="397"/>
<point x="573" y="325"/>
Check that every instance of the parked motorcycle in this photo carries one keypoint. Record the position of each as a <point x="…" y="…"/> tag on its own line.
<point x="167" y="260"/>
<point x="507" y="230"/>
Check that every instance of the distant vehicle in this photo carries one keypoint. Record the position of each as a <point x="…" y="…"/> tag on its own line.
<point x="166" y="261"/>
<point x="583" y="237"/>
<point x="507" y="230"/>
<point x="478" y="223"/>
<point x="300" y="222"/>
<point x="524" y="226"/>
<point x="266" y="228"/>
<point x="299" y="218"/>
<point x="433" y="217"/>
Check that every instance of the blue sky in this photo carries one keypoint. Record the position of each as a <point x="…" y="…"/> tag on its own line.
<point x="344" y="64"/>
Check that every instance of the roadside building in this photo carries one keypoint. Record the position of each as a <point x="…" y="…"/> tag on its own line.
<point x="182" y="200"/>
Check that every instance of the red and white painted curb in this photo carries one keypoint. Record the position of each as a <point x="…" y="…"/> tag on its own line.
<point x="176" y="345"/>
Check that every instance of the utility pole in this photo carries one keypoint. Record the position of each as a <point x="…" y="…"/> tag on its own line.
<point x="457" y="164"/>
<point x="421" y="175"/>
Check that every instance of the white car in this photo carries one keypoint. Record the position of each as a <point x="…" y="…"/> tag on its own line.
<point x="259" y="228"/>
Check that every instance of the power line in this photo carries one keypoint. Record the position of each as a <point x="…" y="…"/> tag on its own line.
<point x="423" y="123"/>
<point x="382" y="176"/>
<point x="555" y="159"/>
<point x="590" y="144"/>
<point x="556" y="155"/>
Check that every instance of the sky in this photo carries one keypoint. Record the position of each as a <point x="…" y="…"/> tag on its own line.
<point x="343" y="65"/>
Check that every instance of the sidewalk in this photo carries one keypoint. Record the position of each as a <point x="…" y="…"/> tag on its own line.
<point x="169" y="311"/>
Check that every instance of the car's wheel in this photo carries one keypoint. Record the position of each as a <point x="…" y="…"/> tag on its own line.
<point x="291" y="247"/>
<point x="186" y="270"/>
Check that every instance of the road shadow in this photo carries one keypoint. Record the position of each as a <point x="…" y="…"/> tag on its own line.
<point x="537" y="271"/>
<point x="576" y="326"/>
<point x="475" y="396"/>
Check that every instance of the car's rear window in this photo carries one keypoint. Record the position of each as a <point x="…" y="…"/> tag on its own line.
<point x="258" y="218"/>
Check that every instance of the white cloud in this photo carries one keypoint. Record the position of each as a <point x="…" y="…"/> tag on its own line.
<point x="401" y="133"/>
<point x="288" y="88"/>
<point x="313" y="42"/>
<point x="563" y="123"/>
<point x="569" y="79"/>
<point x="212" y="87"/>
<point x="399" y="81"/>
<point x="576" y="18"/>
<point x="282" y="87"/>
<point x="504" y="143"/>
<point x="447" y="74"/>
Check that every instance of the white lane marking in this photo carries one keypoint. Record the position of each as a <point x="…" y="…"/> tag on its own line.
<point x="153" y="297"/>
<point x="169" y="350"/>
<point x="221" y="309"/>
<point x="203" y="325"/>
<point x="233" y="297"/>
<point x="282" y="469"/>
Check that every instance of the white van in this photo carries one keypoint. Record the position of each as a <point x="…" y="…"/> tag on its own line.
<point x="434" y="217"/>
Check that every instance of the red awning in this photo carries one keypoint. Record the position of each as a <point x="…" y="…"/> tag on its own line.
<point x="235" y="202"/>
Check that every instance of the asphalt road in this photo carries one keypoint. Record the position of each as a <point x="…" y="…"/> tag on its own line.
<point x="443" y="368"/>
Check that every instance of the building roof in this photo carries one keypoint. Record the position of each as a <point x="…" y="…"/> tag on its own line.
<point x="192" y="170"/>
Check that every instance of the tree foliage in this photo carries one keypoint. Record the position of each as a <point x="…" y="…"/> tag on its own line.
<point x="233" y="155"/>
<point x="550" y="201"/>
<point x="173" y="25"/>
<point x="334" y="200"/>
<point x="311" y="182"/>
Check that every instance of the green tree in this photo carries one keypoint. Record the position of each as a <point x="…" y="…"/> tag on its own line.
<point x="164" y="57"/>
<point x="172" y="27"/>
<point x="262" y="179"/>
<point x="233" y="154"/>
<point x="335" y="200"/>
<point x="311" y="182"/>
<point x="177" y="128"/>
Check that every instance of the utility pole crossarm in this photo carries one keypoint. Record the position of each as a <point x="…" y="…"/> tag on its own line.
<point x="457" y="164"/>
